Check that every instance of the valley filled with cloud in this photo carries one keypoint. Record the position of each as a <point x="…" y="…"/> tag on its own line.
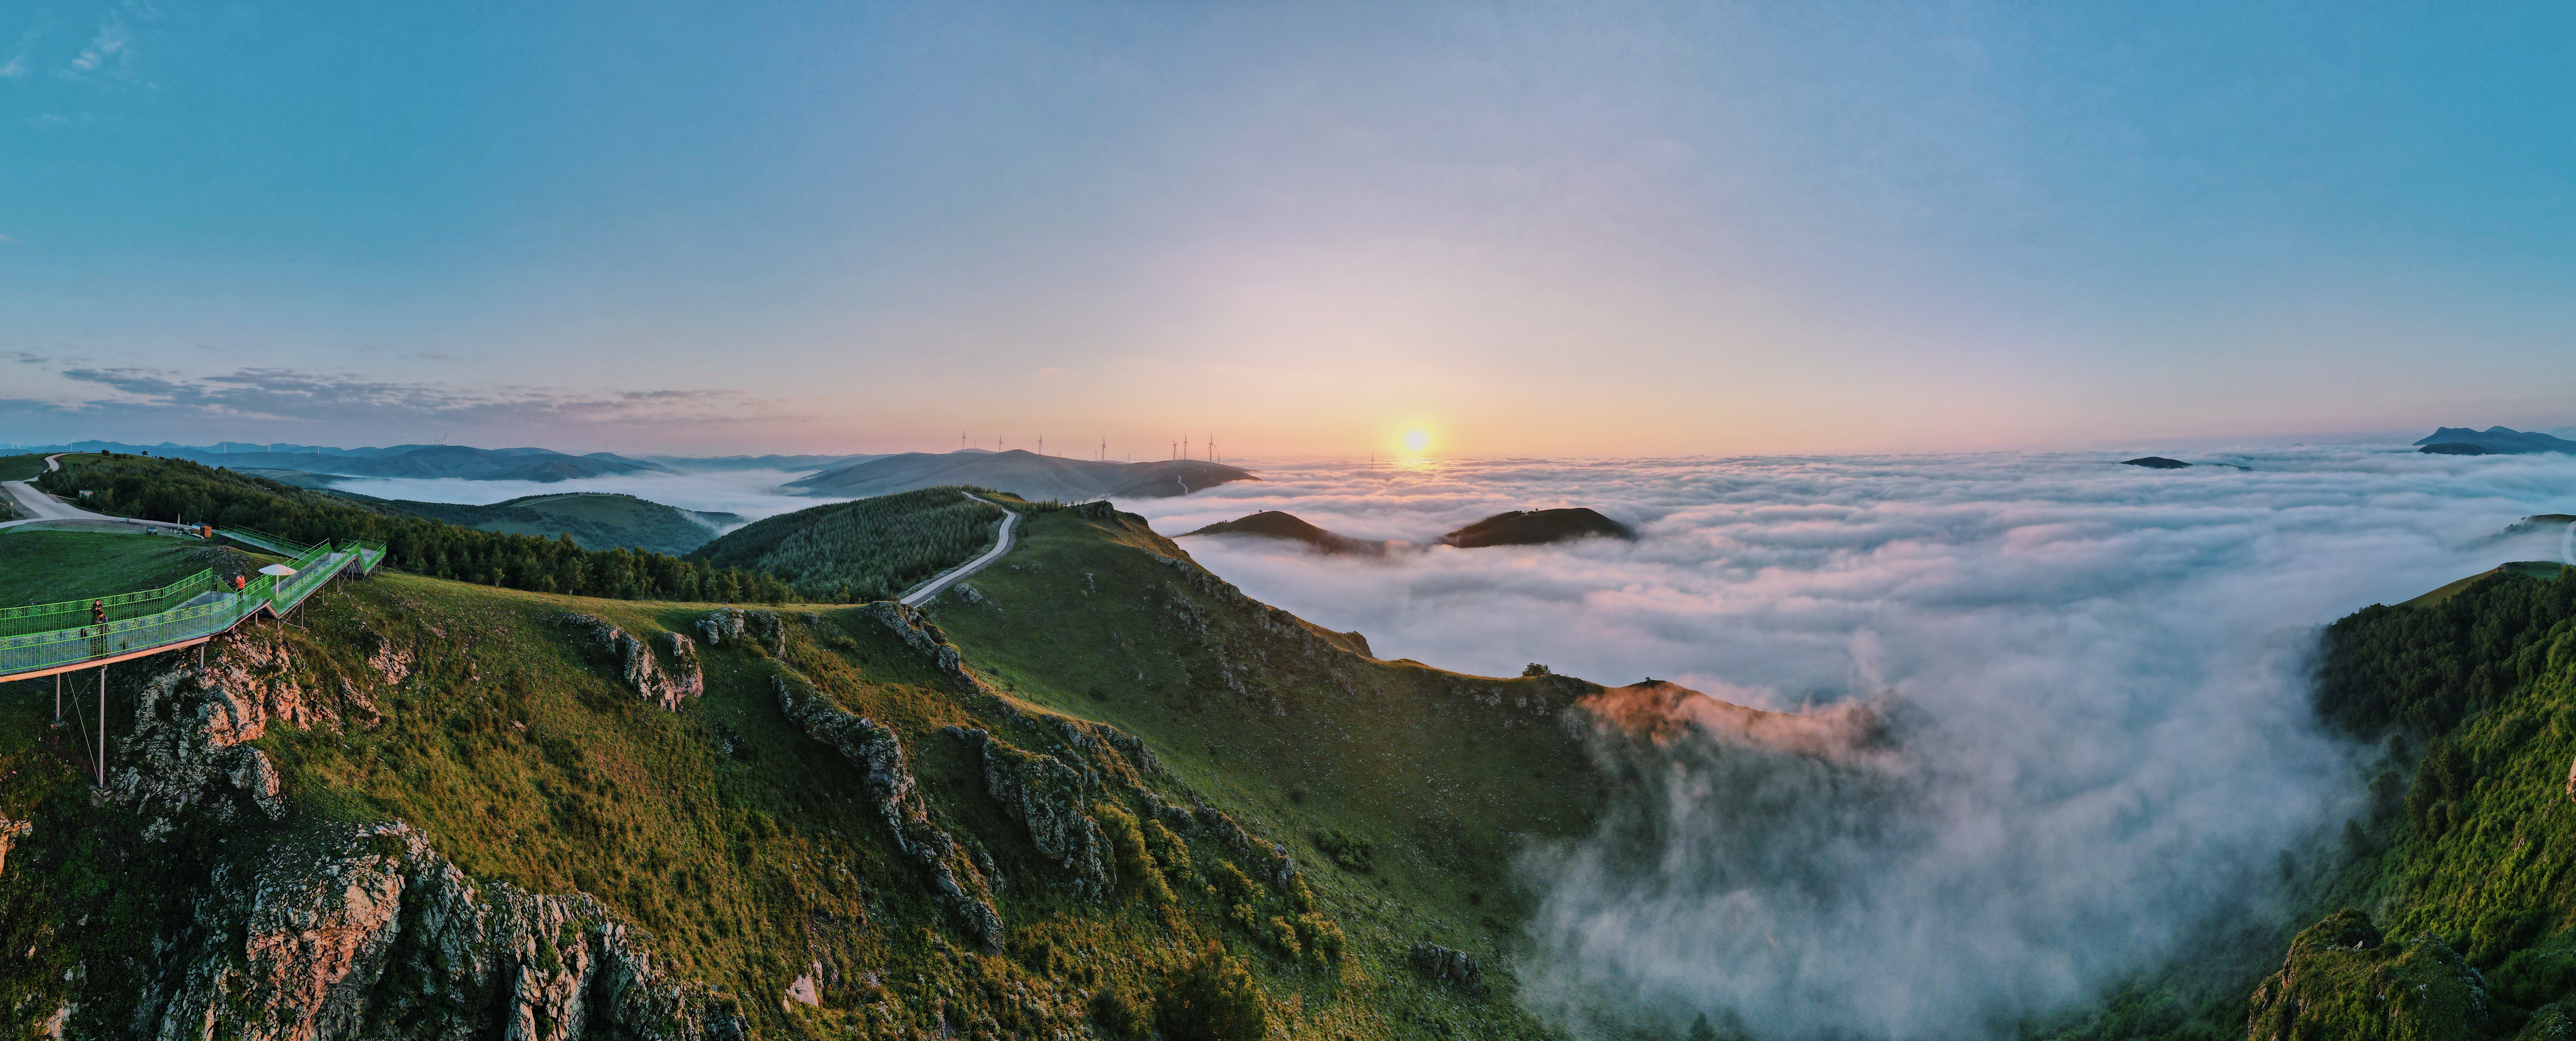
<point x="2095" y="680"/>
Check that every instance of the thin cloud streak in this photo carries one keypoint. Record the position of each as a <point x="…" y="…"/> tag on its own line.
<point x="297" y="405"/>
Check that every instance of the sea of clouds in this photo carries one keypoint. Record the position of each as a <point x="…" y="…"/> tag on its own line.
<point x="2103" y="672"/>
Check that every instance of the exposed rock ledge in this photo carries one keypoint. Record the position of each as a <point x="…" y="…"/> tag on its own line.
<point x="1049" y="799"/>
<point x="325" y="919"/>
<point x="640" y="670"/>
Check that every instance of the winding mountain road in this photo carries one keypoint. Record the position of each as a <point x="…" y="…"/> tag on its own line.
<point x="1010" y="523"/>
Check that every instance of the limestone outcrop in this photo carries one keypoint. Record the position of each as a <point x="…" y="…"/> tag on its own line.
<point x="1446" y="965"/>
<point x="716" y="627"/>
<point x="919" y="634"/>
<point x="688" y="676"/>
<point x="637" y="666"/>
<point x="878" y="753"/>
<point x="1049" y="799"/>
<point x="189" y="749"/>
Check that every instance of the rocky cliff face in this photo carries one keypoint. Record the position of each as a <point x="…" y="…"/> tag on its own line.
<point x="190" y="752"/>
<point x="368" y="932"/>
<point x="349" y="931"/>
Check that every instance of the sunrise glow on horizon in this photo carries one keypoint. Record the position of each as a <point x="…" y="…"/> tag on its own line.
<point x="1632" y="229"/>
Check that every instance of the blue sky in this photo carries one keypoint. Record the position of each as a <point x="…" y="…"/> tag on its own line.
<point x="1565" y="229"/>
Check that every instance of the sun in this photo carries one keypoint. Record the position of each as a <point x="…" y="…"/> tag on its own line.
<point x="1417" y="440"/>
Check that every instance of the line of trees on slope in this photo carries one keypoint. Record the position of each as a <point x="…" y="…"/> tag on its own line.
<point x="178" y="490"/>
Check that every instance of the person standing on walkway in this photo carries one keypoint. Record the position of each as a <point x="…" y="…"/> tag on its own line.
<point x="98" y="611"/>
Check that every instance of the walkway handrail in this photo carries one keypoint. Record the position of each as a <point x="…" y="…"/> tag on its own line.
<point x="72" y="645"/>
<point x="266" y="541"/>
<point x="91" y="643"/>
<point x="192" y="585"/>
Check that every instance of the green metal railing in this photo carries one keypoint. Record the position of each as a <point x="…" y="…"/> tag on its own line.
<point x="88" y="643"/>
<point x="271" y="543"/>
<point x="66" y="613"/>
<point x="206" y="610"/>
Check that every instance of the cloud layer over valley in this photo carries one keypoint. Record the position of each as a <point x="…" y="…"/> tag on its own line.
<point x="2100" y="673"/>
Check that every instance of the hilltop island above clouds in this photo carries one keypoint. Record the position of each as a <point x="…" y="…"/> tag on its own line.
<point x="2492" y="441"/>
<point x="1509" y="528"/>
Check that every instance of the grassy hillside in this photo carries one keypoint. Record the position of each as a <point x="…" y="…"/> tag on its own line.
<point x="762" y="861"/>
<point x="21" y="467"/>
<point x="868" y="549"/>
<point x="594" y="520"/>
<point x="1408" y="787"/>
<point x="38" y="567"/>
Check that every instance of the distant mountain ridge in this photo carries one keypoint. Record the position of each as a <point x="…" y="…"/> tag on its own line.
<point x="2493" y="441"/>
<point x="416" y="461"/>
<point x="1020" y="472"/>
<point x="694" y="464"/>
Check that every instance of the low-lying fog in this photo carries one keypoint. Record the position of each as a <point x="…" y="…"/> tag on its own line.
<point x="2106" y="669"/>
<point x="752" y="493"/>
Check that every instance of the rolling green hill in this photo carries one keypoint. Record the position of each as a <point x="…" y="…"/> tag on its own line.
<point x="1090" y="805"/>
<point x="595" y="520"/>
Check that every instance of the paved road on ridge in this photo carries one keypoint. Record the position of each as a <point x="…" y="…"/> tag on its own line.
<point x="1010" y="521"/>
<point x="47" y="508"/>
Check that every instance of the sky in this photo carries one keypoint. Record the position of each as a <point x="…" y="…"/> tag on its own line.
<point x="1612" y="229"/>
